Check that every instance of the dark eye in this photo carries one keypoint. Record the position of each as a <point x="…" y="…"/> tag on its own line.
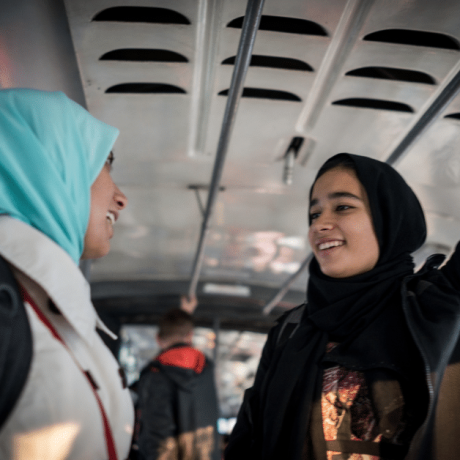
<point x="313" y="216"/>
<point x="110" y="159"/>
<point x="343" y="207"/>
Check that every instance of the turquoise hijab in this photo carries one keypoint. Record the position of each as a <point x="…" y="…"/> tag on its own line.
<point x="51" y="151"/>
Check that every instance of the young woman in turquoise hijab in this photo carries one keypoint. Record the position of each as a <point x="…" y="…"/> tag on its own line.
<point x="58" y="203"/>
<point x="52" y="152"/>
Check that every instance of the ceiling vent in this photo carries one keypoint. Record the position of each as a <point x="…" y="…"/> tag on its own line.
<point x="145" y="88"/>
<point x="143" y="55"/>
<point x="379" y="104"/>
<point x="455" y="116"/>
<point x="141" y="14"/>
<point x="285" y="25"/>
<point x="273" y="62"/>
<point x="262" y="93"/>
<point x="414" y="37"/>
<point x="391" y="73"/>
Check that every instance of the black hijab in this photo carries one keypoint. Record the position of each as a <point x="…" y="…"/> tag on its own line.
<point x="362" y="312"/>
<point x="343" y="307"/>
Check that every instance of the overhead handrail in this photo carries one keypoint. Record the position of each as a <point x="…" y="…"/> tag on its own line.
<point x="286" y="286"/>
<point x="445" y="96"/>
<point x="243" y="59"/>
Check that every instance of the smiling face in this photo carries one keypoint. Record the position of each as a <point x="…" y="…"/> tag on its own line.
<point x="107" y="200"/>
<point x="341" y="232"/>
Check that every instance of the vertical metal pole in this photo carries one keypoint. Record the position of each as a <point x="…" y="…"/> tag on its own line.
<point x="216" y="327"/>
<point x="243" y="58"/>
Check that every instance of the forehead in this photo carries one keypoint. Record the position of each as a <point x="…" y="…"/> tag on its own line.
<point x="338" y="180"/>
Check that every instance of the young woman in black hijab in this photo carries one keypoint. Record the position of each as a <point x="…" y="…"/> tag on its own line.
<point x="367" y="368"/>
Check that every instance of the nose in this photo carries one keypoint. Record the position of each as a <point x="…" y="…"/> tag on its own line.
<point x="120" y="198"/>
<point x="323" y="222"/>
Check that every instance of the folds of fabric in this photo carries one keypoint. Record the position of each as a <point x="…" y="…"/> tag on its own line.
<point x="52" y="150"/>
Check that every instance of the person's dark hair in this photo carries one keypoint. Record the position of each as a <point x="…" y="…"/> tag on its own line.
<point x="341" y="160"/>
<point x="175" y="323"/>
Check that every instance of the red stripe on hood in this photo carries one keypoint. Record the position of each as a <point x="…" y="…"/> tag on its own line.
<point x="186" y="357"/>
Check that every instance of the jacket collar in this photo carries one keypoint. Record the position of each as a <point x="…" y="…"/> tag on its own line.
<point x="46" y="263"/>
<point x="184" y="356"/>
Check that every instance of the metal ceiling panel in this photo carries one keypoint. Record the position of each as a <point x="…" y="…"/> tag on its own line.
<point x="139" y="119"/>
<point x="168" y="141"/>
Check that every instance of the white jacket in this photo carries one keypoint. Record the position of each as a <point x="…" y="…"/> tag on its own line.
<point x="57" y="416"/>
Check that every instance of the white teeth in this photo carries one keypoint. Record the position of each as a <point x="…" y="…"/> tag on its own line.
<point x="330" y="244"/>
<point x="111" y="217"/>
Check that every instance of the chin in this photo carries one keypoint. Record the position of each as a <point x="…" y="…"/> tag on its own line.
<point x="344" y="273"/>
<point x="336" y="275"/>
<point x="334" y="272"/>
<point x="103" y="252"/>
<point x="96" y="252"/>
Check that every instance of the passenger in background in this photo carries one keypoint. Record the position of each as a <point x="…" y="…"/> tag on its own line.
<point x="177" y="403"/>
<point x="58" y="204"/>
<point x="369" y="367"/>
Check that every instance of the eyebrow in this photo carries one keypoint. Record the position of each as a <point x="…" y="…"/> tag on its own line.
<point x="335" y="195"/>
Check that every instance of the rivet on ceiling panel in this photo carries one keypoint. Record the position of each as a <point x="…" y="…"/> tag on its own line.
<point x="145" y="88"/>
<point x="274" y="62"/>
<point x="391" y="73"/>
<point x="262" y="93"/>
<point x="143" y="55"/>
<point x="284" y="24"/>
<point x="141" y="14"/>
<point x="379" y="104"/>
<point x="414" y="37"/>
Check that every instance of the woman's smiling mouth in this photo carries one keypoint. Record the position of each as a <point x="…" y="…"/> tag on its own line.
<point x="330" y="244"/>
<point x="111" y="217"/>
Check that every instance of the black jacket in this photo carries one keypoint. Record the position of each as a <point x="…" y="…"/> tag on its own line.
<point x="177" y="407"/>
<point x="435" y="332"/>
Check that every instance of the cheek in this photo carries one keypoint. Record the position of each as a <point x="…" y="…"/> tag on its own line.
<point x="369" y="241"/>
<point x="310" y="237"/>
<point x="360" y="234"/>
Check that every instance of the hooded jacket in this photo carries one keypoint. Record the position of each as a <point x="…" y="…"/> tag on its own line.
<point x="177" y="407"/>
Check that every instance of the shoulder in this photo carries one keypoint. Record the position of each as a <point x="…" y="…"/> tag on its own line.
<point x="152" y="367"/>
<point x="430" y="279"/>
<point x="292" y="316"/>
<point x="285" y="326"/>
<point x="152" y="382"/>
